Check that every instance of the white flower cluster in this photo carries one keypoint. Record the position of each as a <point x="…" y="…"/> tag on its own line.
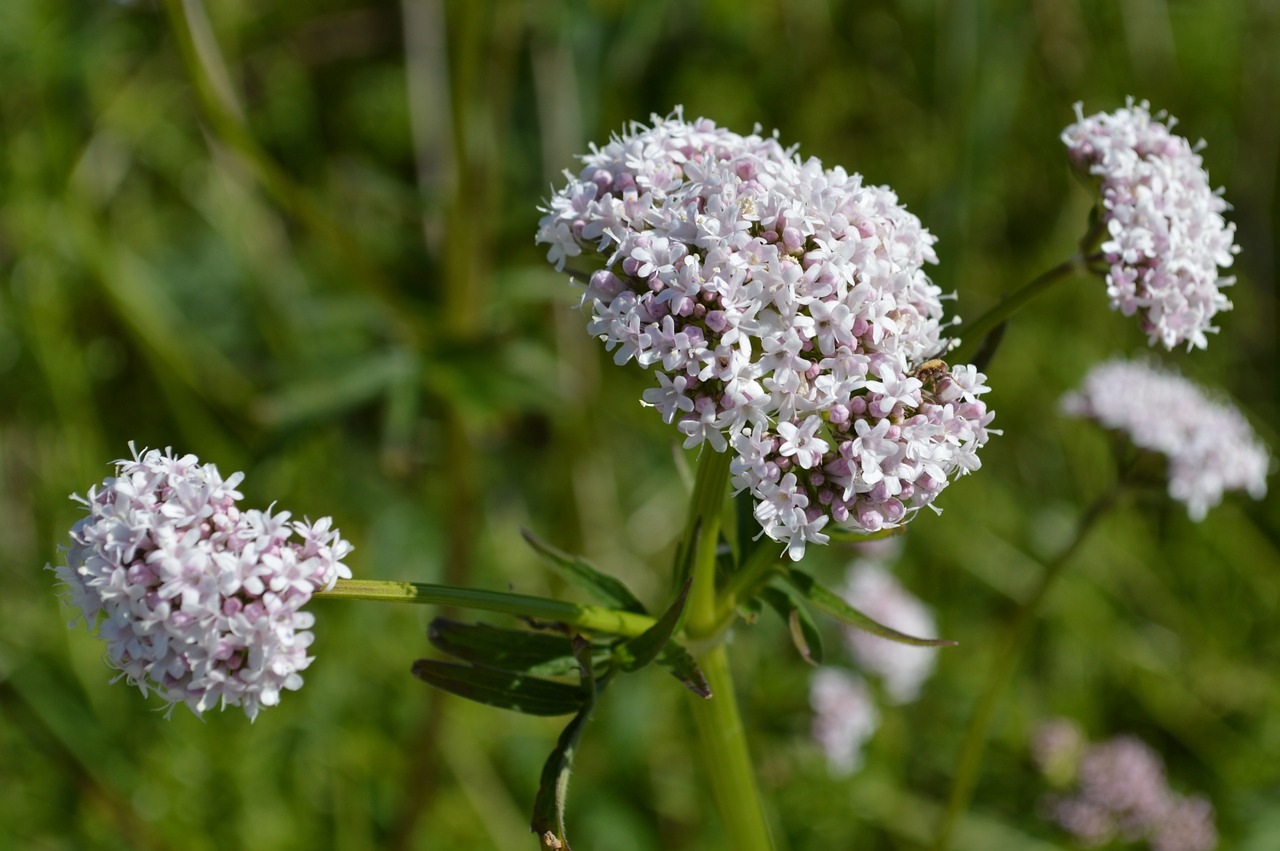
<point x="1210" y="445"/>
<point x="844" y="717"/>
<point x="902" y="668"/>
<point x="785" y="312"/>
<point x="1167" y="236"/>
<point x="1123" y="793"/>
<point x="196" y="599"/>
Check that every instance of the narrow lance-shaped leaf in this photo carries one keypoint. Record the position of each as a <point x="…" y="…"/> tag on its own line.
<point x="582" y="573"/>
<point x="644" y="648"/>
<point x="679" y="662"/>
<point x="804" y="632"/>
<point x="504" y="689"/>
<point x="836" y="606"/>
<point x="522" y="650"/>
<point x="553" y="786"/>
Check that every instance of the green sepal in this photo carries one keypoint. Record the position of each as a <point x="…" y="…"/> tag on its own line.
<point x="547" y="654"/>
<point x="836" y="606"/>
<point x="553" y="785"/>
<point x="582" y="573"/>
<point x="804" y="632"/>
<point x="638" y="652"/>
<point x="680" y="664"/>
<point x="503" y="689"/>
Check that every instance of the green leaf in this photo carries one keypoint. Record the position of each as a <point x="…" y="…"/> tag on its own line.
<point x="679" y="662"/>
<point x="504" y="689"/>
<point x="585" y="575"/>
<point x="645" y="647"/>
<point x="553" y="785"/>
<point x="522" y="650"/>
<point x="836" y="606"/>
<point x="804" y="632"/>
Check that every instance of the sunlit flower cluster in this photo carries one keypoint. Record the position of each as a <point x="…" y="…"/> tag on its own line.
<point x="1166" y="237"/>
<point x="785" y="312"/>
<point x="1121" y="793"/>
<point x="196" y="599"/>
<point x="1210" y="445"/>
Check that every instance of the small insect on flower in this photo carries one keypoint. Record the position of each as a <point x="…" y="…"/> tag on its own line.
<point x="196" y="599"/>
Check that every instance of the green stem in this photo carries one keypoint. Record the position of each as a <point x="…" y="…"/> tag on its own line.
<point x="593" y="618"/>
<point x="975" y="332"/>
<point x="701" y="537"/>
<point x="975" y="737"/>
<point x="722" y="743"/>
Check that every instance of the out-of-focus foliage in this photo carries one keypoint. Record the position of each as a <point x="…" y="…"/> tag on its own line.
<point x="297" y="240"/>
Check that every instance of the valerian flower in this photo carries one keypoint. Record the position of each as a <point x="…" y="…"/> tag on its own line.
<point x="1165" y="234"/>
<point x="787" y="314"/>
<point x="1210" y="446"/>
<point x="196" y="599"/>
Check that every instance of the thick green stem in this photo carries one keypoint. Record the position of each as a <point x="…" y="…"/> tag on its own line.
<point x="722" y="743"/>
<point x="593" y="618"/>
<point x="975" y="332"/>
<point x="975" y="737"/>
<point x="701" y="537"/>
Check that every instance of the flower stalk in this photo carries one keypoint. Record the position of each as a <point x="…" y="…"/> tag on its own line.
<point x="975" y="737"/>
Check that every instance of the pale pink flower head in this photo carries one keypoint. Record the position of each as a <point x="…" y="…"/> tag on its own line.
<point x="1166" y="237"/>
<point x="196" y="599"/>
<point x="1210" y="446"/>
<point x="844" y="717"/>
<point x="785" y="309"/>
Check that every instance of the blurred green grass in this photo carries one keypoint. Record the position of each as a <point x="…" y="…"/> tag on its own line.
<point x="297" y="241"/>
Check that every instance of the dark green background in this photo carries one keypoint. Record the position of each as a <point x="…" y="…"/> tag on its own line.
<point x="305" y="251"/>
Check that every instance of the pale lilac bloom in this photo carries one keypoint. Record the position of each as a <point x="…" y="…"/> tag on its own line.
<point x="902" y="668"/>
<point x="1166" y="236"/>
<point x="844" y="717"/>
<point x="196" y="599"/>
<point x="1121" y="792"/>
<point x="1210" y="446"/>
<point x="784" y="295"/>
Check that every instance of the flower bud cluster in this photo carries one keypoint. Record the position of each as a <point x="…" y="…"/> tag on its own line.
<point x="1166" y="237"/>
<point x="1210" y="445"/>
<point x="1123" y="793"/>
<point x="195" y="598"/>
<point x="785" y="312"/>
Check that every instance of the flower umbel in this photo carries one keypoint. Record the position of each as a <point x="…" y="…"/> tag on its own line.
<point x="1166" y="237"/>
<point x="903" y="669"/>
<point x="785" y="310"/>
<point x="1210" y="445"/>
<point x="196" y="599"/>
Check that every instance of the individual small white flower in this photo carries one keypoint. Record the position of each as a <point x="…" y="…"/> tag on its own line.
<point x="844" y="717"/>
<point x="196" y="599"/>
<point x="1166" y="236"/>
<point x="778" y="302"/>
<point x="902" y="668"/>
<point x="1210" y="446"/>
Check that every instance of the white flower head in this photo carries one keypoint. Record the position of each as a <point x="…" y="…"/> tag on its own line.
<point x="902" y="668"/>
<point x="784" y="308"/>
<point x="1210" y="446"/>
<point x="196" y="599"/>
<point x="1166" y="237"/>
<point x="844" y="717"/>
